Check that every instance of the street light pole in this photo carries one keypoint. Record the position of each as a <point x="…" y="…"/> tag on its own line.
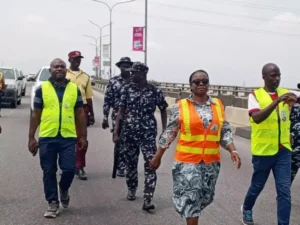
<point x="96" y="47"/>
<point x="110" y="22"/>
<point x="96" y="41"/>
<point x="100" y="47"/>
<point x="146" y="30"/>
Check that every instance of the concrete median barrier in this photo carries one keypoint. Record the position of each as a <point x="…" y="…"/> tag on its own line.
<point x="238" y="117"/>
<point x="239" y="121"/>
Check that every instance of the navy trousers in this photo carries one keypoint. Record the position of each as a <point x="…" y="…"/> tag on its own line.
<point x="63" y="150"/>
<point x="280" y="164"/>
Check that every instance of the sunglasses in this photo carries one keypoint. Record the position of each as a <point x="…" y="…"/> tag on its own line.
<point x="199" y="81"/>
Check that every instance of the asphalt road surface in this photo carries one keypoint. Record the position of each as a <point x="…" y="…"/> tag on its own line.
<point x="101" y="200"/>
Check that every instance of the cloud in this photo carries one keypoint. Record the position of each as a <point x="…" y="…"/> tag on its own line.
<point x="31" y="18"/>
<point x="287" y="16"/>
<point x="154" y="45"/>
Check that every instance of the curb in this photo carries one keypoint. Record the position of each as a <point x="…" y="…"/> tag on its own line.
<point x="244" y="132"/>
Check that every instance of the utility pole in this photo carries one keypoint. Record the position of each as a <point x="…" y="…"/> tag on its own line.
<point x="96" y="44"/>
<point x="110" y="28"/>
<point x="100" y="47"/>
<point x="146" y="30"/>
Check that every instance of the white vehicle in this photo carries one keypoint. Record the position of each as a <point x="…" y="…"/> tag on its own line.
<point x="13" y="84"/>
<point x="42" y="76"/>
<point x="31" y="77"/>
<point x="23" y="82"/>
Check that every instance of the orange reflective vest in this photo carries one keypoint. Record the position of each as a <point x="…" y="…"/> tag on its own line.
<point x="195" y="142"/>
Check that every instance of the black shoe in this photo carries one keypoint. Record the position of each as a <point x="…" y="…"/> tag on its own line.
<point x="148" y="205"/>
<point x="121" y="173"/>
<point x="64" y="198"/>
<point x="131" y="195"/>
<point x="81" y="174"/>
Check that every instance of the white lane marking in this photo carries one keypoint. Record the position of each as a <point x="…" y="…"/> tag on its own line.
<point x="10" y="112"/>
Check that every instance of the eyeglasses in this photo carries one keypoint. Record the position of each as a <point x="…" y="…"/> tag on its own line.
<point x="199" y="81"/>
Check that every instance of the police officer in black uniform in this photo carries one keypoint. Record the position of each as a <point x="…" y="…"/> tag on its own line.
<point x="111" y="101"/>
<point x="137" y="106"/>
<point x="295" y="136"/>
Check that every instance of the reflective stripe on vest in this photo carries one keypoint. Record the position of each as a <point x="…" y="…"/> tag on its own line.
<point x="265" y="136"/>
<point x="195" y="142"/>
<point x="57" y="118"/>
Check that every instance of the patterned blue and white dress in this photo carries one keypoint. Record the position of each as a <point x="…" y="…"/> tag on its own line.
<point x="194" y="184"/>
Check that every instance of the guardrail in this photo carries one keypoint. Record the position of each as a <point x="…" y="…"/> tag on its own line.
<point x="230" y="95"/>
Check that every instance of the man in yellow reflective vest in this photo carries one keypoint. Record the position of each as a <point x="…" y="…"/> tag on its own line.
<point x="58" y="110"/>
<point x="2" y="88"/>
<point x="270" y="143"/>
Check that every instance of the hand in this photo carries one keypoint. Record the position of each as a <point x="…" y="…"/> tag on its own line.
<point x="92" y="120"/>
<point x="33" y="146"/>
<point x="236" y="159"/>
<point x="83" y="143"/>
<point x="288" y="98"/>
<point x="290" y="101"/>
<point x="105" y="124"/>
<point x="115" y="138"/>
<point x="155" y="163"/>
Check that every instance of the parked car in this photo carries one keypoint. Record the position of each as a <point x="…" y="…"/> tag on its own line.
<point x="42" y="76"/>
<point x="31" y="77"/>
<point x="24" y="83"/>
<point x="13" y="84"/>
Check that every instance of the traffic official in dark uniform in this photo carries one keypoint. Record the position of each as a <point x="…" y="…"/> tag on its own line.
<point x="111" y="101"/>
<point x="58" y="110"/>
<point x="295" y="136"/>
<point x="138" y="103"/>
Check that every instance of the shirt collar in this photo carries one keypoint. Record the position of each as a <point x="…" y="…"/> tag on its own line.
<point x="72" y="72"/>
<point x="208" y="102"/>
<point x="147" y="86"/>
<point x="120" y="78"/>
<point x="64" y="84"/>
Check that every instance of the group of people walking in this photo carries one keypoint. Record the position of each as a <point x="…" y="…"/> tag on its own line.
<point x="201" y="124"/>
<point x="62" y="104"/>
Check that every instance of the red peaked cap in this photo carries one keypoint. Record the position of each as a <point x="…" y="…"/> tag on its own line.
<point x="75" y="54"/>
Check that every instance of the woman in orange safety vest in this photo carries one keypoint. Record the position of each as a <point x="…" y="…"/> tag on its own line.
<point x="202" y="127"/>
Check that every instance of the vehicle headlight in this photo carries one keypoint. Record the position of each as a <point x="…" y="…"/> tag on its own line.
<point x="11" y="86"/>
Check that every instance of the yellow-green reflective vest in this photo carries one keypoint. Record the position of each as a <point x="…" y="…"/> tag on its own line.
<point x="56" y="117"/>
<point x="267" y="135"/>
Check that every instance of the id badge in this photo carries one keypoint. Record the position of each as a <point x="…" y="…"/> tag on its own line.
<point x="283" y="115"/>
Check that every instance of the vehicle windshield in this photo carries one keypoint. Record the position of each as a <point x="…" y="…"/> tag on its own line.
<point x="45" y="75"/>
<point x="8" y="73"/>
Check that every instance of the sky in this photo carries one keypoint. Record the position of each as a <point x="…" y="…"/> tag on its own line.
<point x="230" y="39"/>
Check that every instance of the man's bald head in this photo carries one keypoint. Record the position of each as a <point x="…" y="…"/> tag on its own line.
<point x="58" y="70"/>
<point x="270" y="66"/>
<point x="271" y="75"/>
<point x="57" y="60"/>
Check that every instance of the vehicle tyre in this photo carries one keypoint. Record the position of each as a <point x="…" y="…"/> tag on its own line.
<point x="14" y="103"/>
<point x="19" y="101"/>
<point x="24" y="92"/>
